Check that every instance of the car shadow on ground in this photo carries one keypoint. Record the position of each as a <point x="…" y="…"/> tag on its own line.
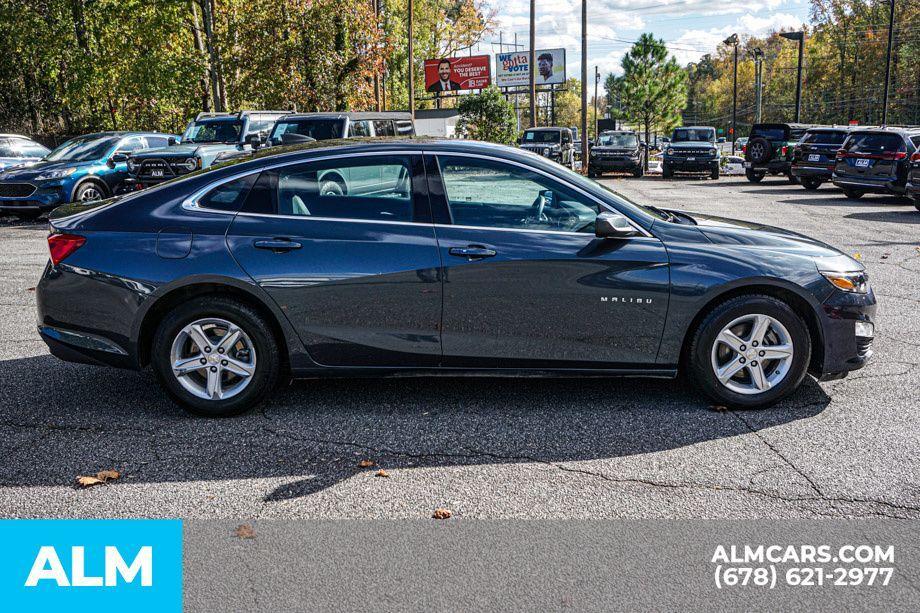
<point x="838" y="199"/>
<point x="63" y="420"/>
<point x="911" y="216"/>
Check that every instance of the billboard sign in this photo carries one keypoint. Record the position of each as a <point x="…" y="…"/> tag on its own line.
<point x="513" y="69"/>
<point x="458" y="73"/>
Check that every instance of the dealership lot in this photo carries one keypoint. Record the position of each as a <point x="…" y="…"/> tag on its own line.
<point x="485" y="447"/>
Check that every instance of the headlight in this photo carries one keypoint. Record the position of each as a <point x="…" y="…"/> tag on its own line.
<point x="545" y="150"/>
<point x="670" y="151"/>
<point x="132" y="165"/>
<point x="713" y="151"/>
<point x="188" y="164"/>
<point x="55" y="174"/>
<point x="853" y="282"/>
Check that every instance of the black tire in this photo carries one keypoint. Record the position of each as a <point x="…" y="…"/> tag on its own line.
<point x="792" y="178"/>
<point x="666" y="172"/>
<point x="759" y="150"/>
<point x="639" y="171"/>
<point x="714" y="173"/>
<point x="753" y="177"/>
<point x="811" y="184"/>
<point x="700" y="365"/>
<point x="268" y="353"/>
<point x="89" y="191"/>
<point x="593" y="174"/>
<point x="28" y="215"/>
<point x="917" y="203"/>
<point x="333" y="185"/>
<point x="853" y="194"/>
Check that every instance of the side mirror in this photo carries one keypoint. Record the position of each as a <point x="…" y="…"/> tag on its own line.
<point x="613" y="225"/>
<point x="172" y="141"/>
<point x="255" y="140"/>
<point x="117" y="158"/>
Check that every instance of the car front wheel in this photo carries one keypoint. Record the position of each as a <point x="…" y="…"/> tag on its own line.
<point x="811" y="184"/>
<point x="750" y="351"/>
<point x="216" y="357"/>
<point x="853" y="194"/>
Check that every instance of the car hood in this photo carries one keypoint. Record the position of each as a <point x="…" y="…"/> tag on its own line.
<point x="21" y="162"/>
<point x="724" y="231"/>
<point x="33" y="170"/>
<point x="185" y="150"/>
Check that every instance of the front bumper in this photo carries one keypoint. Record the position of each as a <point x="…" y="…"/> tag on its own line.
<point x="678" y="164"/>
<point x="613" y="164"/>
<point x="843" y="349"/>
<point x="47" y="196"/>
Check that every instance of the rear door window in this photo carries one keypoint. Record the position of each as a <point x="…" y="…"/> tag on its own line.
<point x="384" y="127"/>
<point x="404" y="127"/>
<point x="769" y="133"/>
<point x="229" y="196"/>
<point x="359" y="128"/>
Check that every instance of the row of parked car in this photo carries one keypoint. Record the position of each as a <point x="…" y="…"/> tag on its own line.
<point x="34" y="180"/>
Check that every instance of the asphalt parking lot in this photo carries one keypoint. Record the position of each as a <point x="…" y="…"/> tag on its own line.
<point x="485" y="448"/>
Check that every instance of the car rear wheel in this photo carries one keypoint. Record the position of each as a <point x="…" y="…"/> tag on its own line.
<point x="750" y="351"/>
<point x="753" y="177"/>
<point x="811" y="184"/>
<point x="917" y="203"/>
<point x="793" y="179"/>
<point x="666" y="172"/>
<point x="853" y="194"/>
<point x="216" y="357"/>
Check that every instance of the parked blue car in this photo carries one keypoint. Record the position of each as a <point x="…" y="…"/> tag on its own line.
<point x="16" y="150"/>
<point x="85" y="168"/>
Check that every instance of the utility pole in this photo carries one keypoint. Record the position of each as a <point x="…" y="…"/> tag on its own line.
<point x="411" y="65"/>
<point x="758" y="84"/>
<point x="376" y="74"/>
<point x="888" y="65"/>
<point x="733" y="40"/>
<point x="799" y="36"/>
<point x="584" y="84"/>
<point x="532" y="63"/>
<point x="597" y="78"/>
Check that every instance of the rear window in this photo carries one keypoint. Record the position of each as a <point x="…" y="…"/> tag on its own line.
<point x="229" y="196"/>
<point x="825" y="138"/>
<point x="319" y="129"/>
<point x="874" y="142"/>
<point x="769" y="133"/>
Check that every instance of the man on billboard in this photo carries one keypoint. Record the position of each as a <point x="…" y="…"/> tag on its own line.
<point x="444" y="83"/>
<point x="545" y="66"/>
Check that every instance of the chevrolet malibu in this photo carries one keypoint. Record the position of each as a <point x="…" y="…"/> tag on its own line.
<point x="345" y="258"/>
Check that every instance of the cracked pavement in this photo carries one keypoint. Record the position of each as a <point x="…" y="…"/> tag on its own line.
<point x="485" y="447"/>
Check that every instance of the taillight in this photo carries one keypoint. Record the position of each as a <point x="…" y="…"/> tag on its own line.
<point x="62" y="245"/>
<point x="894" y="155"/>
<point x="743" y="148"/>
<point x="785" y="149"/>
<point x="841" y="153"/>
<point x="915" y="157"/>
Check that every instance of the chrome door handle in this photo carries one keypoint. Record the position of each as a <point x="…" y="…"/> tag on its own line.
<point x="473" y="252"/>
<point x="278" y="245"/>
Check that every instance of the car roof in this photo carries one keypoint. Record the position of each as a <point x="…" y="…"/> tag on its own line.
<point x="359" y="115"/>
<point x="118" y="134"/>
<point x="831" y="128"/>
<point x="617" y="132"/>
<point x="14" y="136"/>
<point x="547" y="129"/>
<point x="694" y="128"/>
<point x="793" y="126"/>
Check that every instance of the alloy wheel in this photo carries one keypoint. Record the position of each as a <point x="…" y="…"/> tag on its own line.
<point x="213" y="359"/>
<point x="90" y="193"/>
<point x="752" y="354"/>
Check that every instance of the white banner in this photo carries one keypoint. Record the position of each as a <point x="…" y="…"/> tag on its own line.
<point x="513" y="69"/>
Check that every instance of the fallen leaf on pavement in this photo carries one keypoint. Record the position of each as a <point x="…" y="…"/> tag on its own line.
<point x="101" y="477"/>
<point x="382" y="473"/>
<point x="31" y="289"/>
<point x="857" y="255"/>
<point x="440" y="513"/>
<point x="366" y="463"/>
<point x="244" y="531"/>
<point x="718" y="407"/>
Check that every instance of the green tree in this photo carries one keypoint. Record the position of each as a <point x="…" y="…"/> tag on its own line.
<point x="487" y="116"/>
<point x="653" y="88"/>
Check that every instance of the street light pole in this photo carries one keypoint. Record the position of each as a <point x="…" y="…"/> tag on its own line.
<point x="532" y="64"/>
<point x="758" y="84"/>
<point x="597" y="78"/>
<point x="411" y="65"/>
<point x="733" y="40"/>
<point x="888" y="65"/>
<point x="799" y="36"/>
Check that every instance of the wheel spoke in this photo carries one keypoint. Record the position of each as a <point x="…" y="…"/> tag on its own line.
<point x="186" y="365"/>
<point x="731" y="339"/>
<point x="198" y="336"/>
<point x="229" y="339"/>
<point x="758" y="377"/>
<point x="776" y="352"/>
<point x="759" y="330"/>
<point x="238" y="368"/>
<point x="214" y="386"/>
<point x="730" y="369"/>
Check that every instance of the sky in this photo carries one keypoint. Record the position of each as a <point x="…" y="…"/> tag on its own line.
<point x="691" y="28"/>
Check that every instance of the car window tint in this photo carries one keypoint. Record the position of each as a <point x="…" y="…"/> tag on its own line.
<point x="157" y="141"/>
<point x="769" y="133"/>
<point x="229" y="196"/>
<point x="134" y="143"/>
<point x="486" y="193"/>
<point x="404" y="127"/>
<point x="916" y="141"/>
<point x="378" y="188"/>
<point x="359" y="128"/>
<point x="384" y="127"/>
<point x="874" y="142"/>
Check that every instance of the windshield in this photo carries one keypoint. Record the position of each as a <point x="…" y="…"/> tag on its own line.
<point x="541" y="136"/>
<point x="83" y="149"/>
<point x="618" y="140"/>
<point x="685" y="135"/>
<point x="319" y="129"/>
<point x="213" y="132"/>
